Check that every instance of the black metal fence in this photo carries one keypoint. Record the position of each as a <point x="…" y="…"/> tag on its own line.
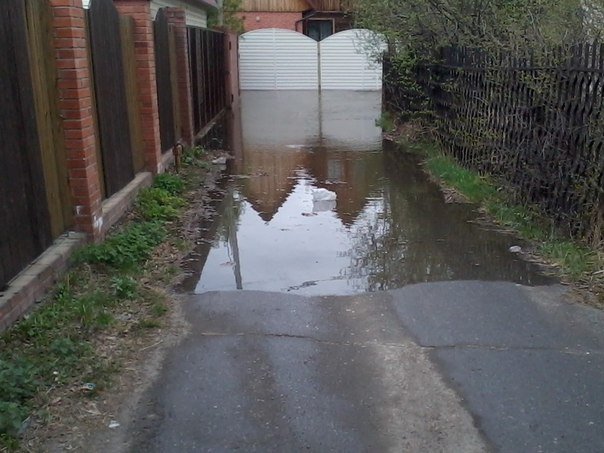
<point x="536" y="124"/>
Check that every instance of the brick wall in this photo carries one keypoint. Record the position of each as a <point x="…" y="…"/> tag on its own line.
<point x="259" y="19"/>
<point x="140" y="10"/>
<point x="75" y="106"/>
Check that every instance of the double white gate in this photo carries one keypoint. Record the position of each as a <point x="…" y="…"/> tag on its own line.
<point x="276" y="59"/>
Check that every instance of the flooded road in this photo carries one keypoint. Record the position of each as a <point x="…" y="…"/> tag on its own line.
<point x="388" y="227"/>
<point x="317" y="357"/>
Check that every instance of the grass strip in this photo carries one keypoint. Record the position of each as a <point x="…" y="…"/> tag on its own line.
<point x="106" y="294"/>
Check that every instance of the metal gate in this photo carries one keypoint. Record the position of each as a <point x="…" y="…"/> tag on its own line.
<point x="275" y="59"/>
<point x="347" y="62"/>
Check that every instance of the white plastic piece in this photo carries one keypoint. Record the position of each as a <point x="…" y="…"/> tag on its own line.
<point x="323" y="195"/>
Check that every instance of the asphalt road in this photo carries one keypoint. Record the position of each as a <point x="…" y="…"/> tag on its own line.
<point x="451" y="367"/>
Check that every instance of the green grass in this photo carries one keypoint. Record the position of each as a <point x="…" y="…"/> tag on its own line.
<point x="475" y="187"/>
<point x="576" y="261"/>
<point x="55" y="344"/>
<point x="127" y="248"/>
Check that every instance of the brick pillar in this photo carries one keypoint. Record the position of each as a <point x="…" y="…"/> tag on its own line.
<point x="75" y="106"/>
<point x="144" y="49"/>
<point x="177" y="18"/>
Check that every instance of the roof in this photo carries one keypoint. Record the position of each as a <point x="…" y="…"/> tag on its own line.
<point x="202" y="3"/>
<point x="208" y="3"/>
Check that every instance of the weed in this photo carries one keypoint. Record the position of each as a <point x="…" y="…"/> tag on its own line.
<point x="196" y="157"/>
<point x="158" y="204"/>
<point x="124" y="287"/>
<point x="158" y="309"/>
<point x="55" y="344"/>
<point x="172" y="184"/>
<point x="17" y="380"/>
<point x="149" y="324"/>
<point x="126" y="249"/>
<point x="386" y="122"/>
<point x="575" y="261"/>
<point x="193" y="155"/>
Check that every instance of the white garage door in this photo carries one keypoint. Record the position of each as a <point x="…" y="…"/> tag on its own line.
<point x="275" y="59"/>
<point x="346" y="61"/>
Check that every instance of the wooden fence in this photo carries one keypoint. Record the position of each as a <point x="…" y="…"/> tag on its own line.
<point x="110" y="95"/>
<point x="167" y="79"/>
<point x="207" y="55"/>
<point x="536" y="124"/>
<point x="36" y="203"/>
<point x="34" y="208"/>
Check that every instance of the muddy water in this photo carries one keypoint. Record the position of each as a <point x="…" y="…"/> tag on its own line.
<point x="388" y="227"/>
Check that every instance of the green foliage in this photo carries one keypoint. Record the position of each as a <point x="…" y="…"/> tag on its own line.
<point x="576" y="261"/>
<point x="420" y="27"/>
<point x="52" y="346"/>
<point x="158" y="309"/>
<point x="386" y="122"/>
<point x="126" y="249"/>
<point x="195" y="157"/>
<point x="228" y="17"/>
<point x="475" y="187"/>
<point x="11" y="418"/>
<point x="173" y="184"/>
<point x="124" y="287"/>
<point x="17" y="381"/>
<point x="159" y="204"/>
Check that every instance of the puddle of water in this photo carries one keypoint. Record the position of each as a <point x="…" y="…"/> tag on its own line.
<point x="388" y="227"/>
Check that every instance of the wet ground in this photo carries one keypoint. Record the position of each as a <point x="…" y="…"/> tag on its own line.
<point x="388" y="227"/>
<point x="447" y="358"/>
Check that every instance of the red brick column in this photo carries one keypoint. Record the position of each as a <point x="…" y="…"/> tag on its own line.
<point x="177" y="17"/>
<point x="75" y="105"/>
<point x="140" y="10"/>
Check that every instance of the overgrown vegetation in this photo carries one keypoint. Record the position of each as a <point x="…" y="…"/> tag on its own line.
<point x="228" y="17"/>
<point x="109" y="293"/>
<point x="576" y="262"/>
<point x="416" y="30"/>
<point x="510" y="88"/>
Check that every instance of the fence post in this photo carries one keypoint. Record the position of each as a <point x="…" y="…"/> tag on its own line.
<point x="177" y="18"/>
<point x="140" y="11"/>
<point x="75" y="106"/>
<point x="232" y="69"/>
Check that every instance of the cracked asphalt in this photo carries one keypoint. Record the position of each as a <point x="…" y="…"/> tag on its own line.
<point x="459" y="366"/>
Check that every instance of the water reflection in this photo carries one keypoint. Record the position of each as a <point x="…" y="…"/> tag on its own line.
<point x="389" y="226"/>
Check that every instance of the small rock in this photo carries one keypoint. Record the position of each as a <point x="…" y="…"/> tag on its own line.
<point x="515" y="249"/>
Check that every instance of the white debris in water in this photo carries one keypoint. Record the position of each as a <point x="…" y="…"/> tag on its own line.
<point x="323" y="195"/>
<point x="113" y="424"/>
<point x="515" y="249"/>
<point x="220" y="161"/>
